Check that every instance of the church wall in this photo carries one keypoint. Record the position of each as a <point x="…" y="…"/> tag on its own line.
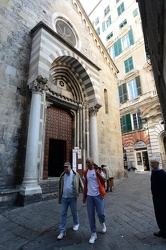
<point x="17" y="19"/>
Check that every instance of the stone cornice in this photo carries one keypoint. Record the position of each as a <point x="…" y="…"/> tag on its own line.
<point x="96" y="38"/>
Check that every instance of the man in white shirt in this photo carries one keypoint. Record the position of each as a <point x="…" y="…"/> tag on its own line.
<point x="94" y="193"/>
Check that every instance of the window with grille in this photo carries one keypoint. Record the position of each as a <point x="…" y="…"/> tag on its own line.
<point x="122" y="24"/>
<point x="109" y="36"/>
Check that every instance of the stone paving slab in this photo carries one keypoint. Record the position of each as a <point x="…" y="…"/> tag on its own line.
<point x="129" y="218"/>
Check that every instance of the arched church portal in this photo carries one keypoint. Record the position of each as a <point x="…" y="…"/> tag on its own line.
<point x="67" y="114"/>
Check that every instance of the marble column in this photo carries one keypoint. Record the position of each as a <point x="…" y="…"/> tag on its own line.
<point x="93" y="135"/>
<point x="30" y="184"/>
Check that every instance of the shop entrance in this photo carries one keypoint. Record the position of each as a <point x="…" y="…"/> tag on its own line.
<point x="142" y="163"/>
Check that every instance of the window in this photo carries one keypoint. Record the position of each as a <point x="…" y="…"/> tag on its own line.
<point x="131" y="122"/>
<point x="122" y="93"/>
<point x="120" y="9"/>
<point x="137" y="122"/>
<point x="122" y="24"/>
<point x="134" y="88"/>
<point x="109" y="36"/>
<point x="135" y="12"/>
<point x="106" y="100"/>
<point x="117" y="1"/>
<point x="96" y="21"/>
<point x="111" y="52"/>
<point x="98" y="30"/>
<point x="108" y="21"/>
<point x="103" y="26"/>
<point x="127" y="40"/>
<point x="118" y="47"/>
<point x="107" y="10"/>
<point x="121" y="44"/>
<point x="128" y="65"/>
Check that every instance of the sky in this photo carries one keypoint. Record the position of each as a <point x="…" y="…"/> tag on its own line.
<point x="89" y="4"/>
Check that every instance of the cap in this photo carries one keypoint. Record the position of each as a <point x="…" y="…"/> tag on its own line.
<point x="154" y="158"/>
<point x="66" y="164"/>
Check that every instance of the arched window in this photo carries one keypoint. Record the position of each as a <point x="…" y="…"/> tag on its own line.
<point x="106" y="100"/>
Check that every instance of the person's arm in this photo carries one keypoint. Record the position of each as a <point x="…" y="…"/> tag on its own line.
<point x="101" y="175"/>
<point x="85" y="191"/>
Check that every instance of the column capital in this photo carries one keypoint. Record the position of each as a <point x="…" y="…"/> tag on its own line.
<point x="39" y="84"/>
<point x="93" y="110"/>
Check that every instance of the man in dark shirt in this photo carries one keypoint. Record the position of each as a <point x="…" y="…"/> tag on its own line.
<point x="158" y="188"/>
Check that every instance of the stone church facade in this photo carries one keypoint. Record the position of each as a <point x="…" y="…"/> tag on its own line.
<point x="58" y="96"/>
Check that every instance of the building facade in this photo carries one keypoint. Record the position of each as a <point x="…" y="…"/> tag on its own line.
<point x="59" y="99"/>
<point x="153" y="15"/>
<point x="119" y="26"/>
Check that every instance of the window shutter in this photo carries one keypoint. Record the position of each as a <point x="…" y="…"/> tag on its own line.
<point x="124" y="92"/>
<point x="103" y="26"/>
<point x="138" y="84"/>
<point x="117" y="47"/>
<point x="131" y="37"/>
<point x="128" y="122"/>
<point x="123" y="123"/>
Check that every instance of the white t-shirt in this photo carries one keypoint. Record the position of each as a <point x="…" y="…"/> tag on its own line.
<point x="92" y="183"/>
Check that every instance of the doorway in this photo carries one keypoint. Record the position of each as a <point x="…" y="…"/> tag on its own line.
<point x="57" y="157"/>
<point x="142" y="162"/>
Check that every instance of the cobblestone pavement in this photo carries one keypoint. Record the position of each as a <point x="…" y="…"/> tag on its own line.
<point x="129" y="218"/>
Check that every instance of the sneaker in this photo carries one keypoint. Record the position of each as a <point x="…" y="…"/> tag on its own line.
<point x="60" y="236"/>
<point x="93" y="238"/>
<point x="75" y="227"/>
<point x="104" y="229"/>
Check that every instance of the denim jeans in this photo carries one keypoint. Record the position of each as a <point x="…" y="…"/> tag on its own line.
<point x="66" y="202"/>
<point x="95" y="203"/>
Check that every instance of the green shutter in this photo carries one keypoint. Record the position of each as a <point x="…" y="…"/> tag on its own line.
<point x="123" y="123"/>
<point x="124" y="92"/>
<point x="131" y="37"/>
<point x="128" y="122"/>
<point x="128" y="65"/>
<point x="138" y="84"/>
<point x="118" y="47"/>
<point x="135" y="12"/>
<point x="103" y="26"/>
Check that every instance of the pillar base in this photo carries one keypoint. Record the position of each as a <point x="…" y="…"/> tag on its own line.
<point x="24" y="200"/>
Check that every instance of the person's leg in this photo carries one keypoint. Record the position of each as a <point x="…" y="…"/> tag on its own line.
<point x="107" y="185"/>
<point x="111" y="184"/>
<point x="91" y="213"/>
<point x="160" y="208"/>
<point x="65" y="204"/>
<point x="73" y="207"/>
<point x="100" y="205"/>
